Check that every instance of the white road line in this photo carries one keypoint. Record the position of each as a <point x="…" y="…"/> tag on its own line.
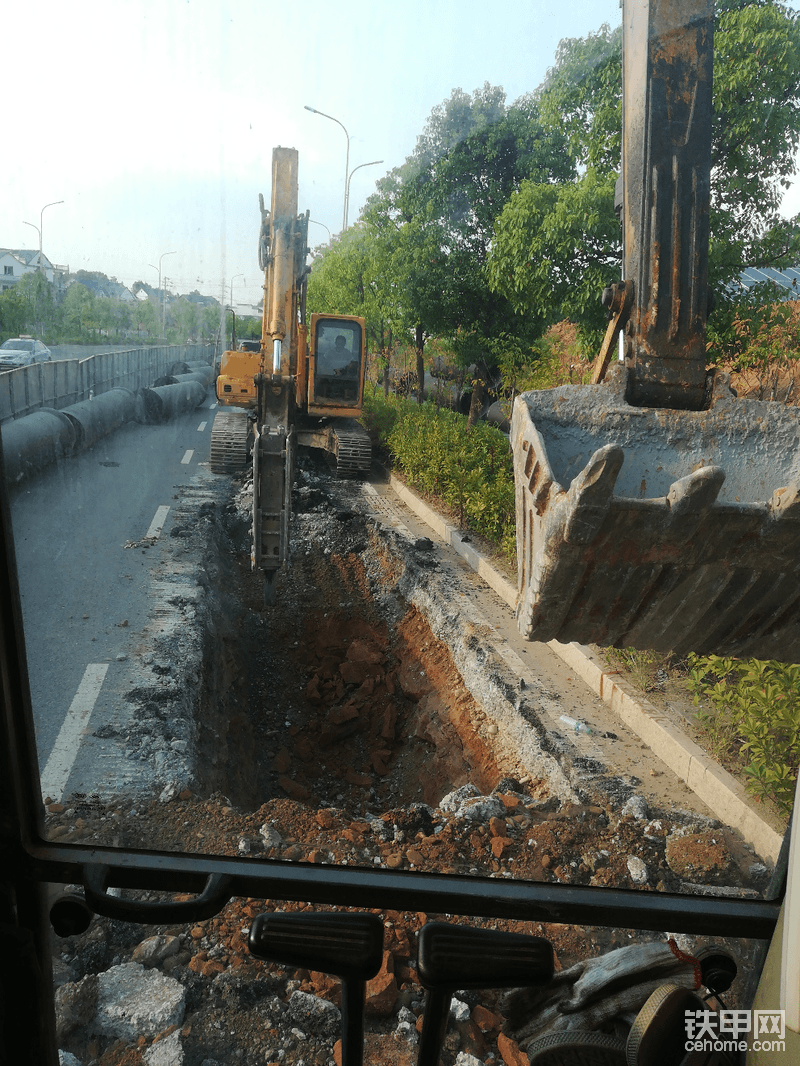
<point x="213" y="405"/>
<point x="201" y="427"/>
<point x="65" y="750"/>
<point x="187" y="457"/>
<point x="158" y="521"/>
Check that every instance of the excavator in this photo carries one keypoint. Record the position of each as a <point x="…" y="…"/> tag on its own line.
<point x="303" y="386"/>
<point x="693" y="551"/>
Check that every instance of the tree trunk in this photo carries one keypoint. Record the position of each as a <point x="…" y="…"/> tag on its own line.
<point x="476" y="403"/>
<point x="420" y="340"/>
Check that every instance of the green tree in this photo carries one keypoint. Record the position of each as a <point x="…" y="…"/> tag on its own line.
<point x="435" y="216"/>
<point x="546" y="265"/>
<point x="36" y="293"/>
<point x="79" y="309"/>
<point x="13" y="313"/>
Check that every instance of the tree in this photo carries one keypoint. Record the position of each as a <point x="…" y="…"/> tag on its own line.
<point x="546" y="265"/>
<point x="38" y="307"/>
<point x="79" y="308"/>
<point x="13" y="313"/>
<point x="435" y="216"/>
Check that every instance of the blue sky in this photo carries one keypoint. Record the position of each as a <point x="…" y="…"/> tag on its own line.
<point x="154" y="122"/>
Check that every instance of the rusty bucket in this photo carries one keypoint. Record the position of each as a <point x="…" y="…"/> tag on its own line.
<point x="658" y="529"/>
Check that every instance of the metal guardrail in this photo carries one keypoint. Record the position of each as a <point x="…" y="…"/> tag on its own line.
<point x="62" y="382"/>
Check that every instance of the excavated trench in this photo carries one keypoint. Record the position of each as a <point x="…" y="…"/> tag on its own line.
<point x="340" y="695"/>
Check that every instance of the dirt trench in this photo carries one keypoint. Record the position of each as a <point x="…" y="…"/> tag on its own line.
<point x="341" y="695"/>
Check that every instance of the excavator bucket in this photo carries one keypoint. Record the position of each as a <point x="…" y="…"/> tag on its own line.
<point x="656" y="510"/>
<point x="658" y="529"/>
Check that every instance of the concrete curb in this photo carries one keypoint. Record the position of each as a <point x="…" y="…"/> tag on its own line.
<point x="706" y="778"/>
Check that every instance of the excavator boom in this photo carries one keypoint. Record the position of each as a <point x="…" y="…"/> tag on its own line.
<point x="284" y="395"/>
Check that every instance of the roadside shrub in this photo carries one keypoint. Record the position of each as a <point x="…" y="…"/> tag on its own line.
<point x="751" y="708"/>
<point x="471" y="471"/>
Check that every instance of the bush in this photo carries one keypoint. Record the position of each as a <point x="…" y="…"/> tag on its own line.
<point x="754" y="713"/>
<point x="471" y="471"/>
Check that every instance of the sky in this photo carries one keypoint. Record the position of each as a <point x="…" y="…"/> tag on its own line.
<point x="154" y="122"/>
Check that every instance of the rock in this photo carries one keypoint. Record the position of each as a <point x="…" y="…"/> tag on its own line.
<point x="510" y="1050"/>
<point x="413" y="680"/>
<point x="62" y="974"/>
<point x="134" y="1002"/>
<point x="481" y="809"/>
<point x="459" y="1011"/>
<point x="636" y="807"/>
<point x="637" y="870"/>
<point x="702" y="857"/>
<point x="463" y="1058"/>
<point x="313" y="1015"/>
<point x="66" y="1058"/>
<point x="485" y="1019"/>
<point x="293" y="788"/>
<point x="360" y="651"/>
<point x="167" y="1052"/>
<point x="75" y="1004"/>
<point x="270" y="835"/>
<point x="382" y="991"/>
<point x="169" y="792"/>
<point x="153" y="950"/>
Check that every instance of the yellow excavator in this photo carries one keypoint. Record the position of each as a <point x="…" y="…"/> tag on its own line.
<point x="305" y="384"/>
<point x="655" y="509"/>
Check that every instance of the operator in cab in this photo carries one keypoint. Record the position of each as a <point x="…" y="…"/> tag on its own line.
<point x="339" y="360"/>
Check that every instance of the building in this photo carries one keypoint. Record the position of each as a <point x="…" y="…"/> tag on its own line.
<point x="16" y="262"/>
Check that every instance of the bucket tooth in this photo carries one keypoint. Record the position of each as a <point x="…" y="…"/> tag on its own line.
<point x="697" y="492"/>
<point x="590" y="495"/>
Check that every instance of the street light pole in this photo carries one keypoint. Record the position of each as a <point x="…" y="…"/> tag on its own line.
<point x="330" y="238"/>
<point x="314" y="111"/>
<point x="233" y="313"/>
<point x="347" y="195"/>
<point x="160" y="296"/>
<point x="40" y="226"/>
<point x="235" y="276"/>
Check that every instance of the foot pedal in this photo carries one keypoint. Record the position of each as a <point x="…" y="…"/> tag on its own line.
<point x="349" y="946"/>
<point x="457" y="956"/>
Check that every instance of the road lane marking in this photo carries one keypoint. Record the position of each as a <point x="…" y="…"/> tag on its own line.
<point x="201" y="427"/>
<point x="213" y="405"/>
<point x="65" y="750"/>
<point x="187" y="457"/>
<point x="158" y="521"/>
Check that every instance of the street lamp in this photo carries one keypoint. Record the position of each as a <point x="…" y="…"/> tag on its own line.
<point x="233" y="313"/>
<point x="347" y="194"/>
<point x="160" y="296"/>
<point x="40" y="226"/>
<point x="314" y="111"/>
<point x="330" y="238"/>
<point x="235" y="276"/>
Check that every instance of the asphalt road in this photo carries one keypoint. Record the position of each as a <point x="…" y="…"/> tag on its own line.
<point x="91" y="538"/>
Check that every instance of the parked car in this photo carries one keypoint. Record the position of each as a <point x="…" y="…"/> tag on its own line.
<point x="22" y="351"/>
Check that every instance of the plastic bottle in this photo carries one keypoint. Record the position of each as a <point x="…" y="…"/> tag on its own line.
<point x="574" y="724"/>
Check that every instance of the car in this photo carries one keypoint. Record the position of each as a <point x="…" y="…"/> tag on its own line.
<point x="22" y="351"/>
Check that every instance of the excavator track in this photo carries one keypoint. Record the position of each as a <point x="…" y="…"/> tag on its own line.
<point x="352" y="448"/>
<point x="229" y="442"/>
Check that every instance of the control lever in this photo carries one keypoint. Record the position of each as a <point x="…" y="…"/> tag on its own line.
<point x="457" y="956"/>
<point x="349" y="946"/>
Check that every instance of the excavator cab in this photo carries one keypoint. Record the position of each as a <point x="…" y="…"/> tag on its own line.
<point x="336" y="365"/>
<point x="654" y="509"/>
